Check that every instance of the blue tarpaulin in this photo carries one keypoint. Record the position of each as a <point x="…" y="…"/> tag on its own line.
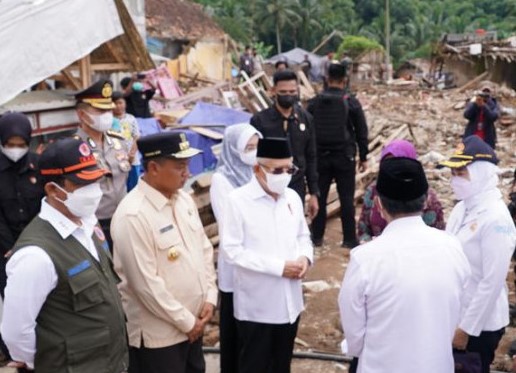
<point x="216" y="117"/>
<point x="204" y="114"/>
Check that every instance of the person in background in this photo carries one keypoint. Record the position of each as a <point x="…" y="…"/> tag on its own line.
<point x="485" y="228"/>
<point x="401" y="297"/>
<point x="281" y="65"/>
<point x="325" y="65"/>
<point x="95" y="111"/>
<point x="266" y="238"/>
<point x="165" y="262"/>
<point x="371" y="223"/>
<point x="340" y="130"/>
<point x="62" y="310"/>
<point x="306" y="66"/>
<point x="257" y="62"/>
<point x="247" y="61"/>
<point x="21" y="189"/>
<point x="127" y="126"/>
<point x="136" y="96"/>
<point x="234" y="169"/>
<point x="288" y="120"/>
<point x="481" y="113"/>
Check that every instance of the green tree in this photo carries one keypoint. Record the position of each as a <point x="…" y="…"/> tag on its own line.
<point x="276" y="15"/>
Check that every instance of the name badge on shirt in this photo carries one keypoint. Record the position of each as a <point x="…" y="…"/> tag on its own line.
<point x="166" y="229"/>
<point x="82" y="266"/>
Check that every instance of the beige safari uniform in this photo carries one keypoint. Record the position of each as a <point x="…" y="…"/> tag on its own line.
<point x="112" y="155"/>
<point x="165" y="262"/>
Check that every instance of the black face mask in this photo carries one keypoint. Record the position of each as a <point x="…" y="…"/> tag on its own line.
<point x="286" y="101"/>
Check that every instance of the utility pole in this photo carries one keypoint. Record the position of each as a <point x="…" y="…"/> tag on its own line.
<point x="387" y="41"/>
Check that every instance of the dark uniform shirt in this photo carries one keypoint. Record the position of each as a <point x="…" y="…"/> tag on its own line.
<point x="138" y="103"/>
<point x="356" y="120"/>
<point x="298" y="129"/>
<point x="21" y="192"/>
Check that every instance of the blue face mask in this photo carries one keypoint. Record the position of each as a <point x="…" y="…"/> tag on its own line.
<point x="137" y="86"/>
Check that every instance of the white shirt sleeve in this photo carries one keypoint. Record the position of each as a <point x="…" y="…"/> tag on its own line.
<point x="306" y="247"/>
<point x="233" y="248"/>
<point x="352" y="306"/>
<point x="31" y="276"/>
<point x="219" y="190"/>
<point x="497" y="246"/>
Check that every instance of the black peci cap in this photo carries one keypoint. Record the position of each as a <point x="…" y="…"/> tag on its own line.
<point x="166" y="144"/>
<point x="98" y="95"/>
<point x="71" y="158"/>
<point x="274" y="148"/>
<point x="471" y="149"/>
<point x="401" y="179"/>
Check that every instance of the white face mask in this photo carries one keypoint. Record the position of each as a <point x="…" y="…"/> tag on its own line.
<point x="249" y="158"/>
<point x="102" y="122"/>
<point x="461" y="187"/>
<point x="14" y="154"/>
<point x="83" y="202"/>
<point x="277" y="183"/>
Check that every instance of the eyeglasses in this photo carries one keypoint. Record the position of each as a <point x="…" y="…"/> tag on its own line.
<point x="292" y="170"/>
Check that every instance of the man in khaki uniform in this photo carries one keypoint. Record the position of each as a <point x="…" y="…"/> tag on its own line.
<point x="95" y="112"/>
<point x="165" y="262"/>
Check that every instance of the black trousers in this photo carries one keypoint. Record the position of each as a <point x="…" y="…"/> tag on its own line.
<point x="105" y="224"/>
<point x="183" y="357"/>
<point x="485" y="344"/>
<point x="340" y="167"/>
<point x="228" y="335"/>
<point x="353" y="366"/>
<point x="265" y="348"/>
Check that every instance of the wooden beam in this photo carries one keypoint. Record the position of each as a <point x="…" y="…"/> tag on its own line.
<point x="110" y="67"/>
<point x="72" y="79"/>
<point x="473" y="82"/>
<point x="114" y="52"/>
<point x="85" y="71"/>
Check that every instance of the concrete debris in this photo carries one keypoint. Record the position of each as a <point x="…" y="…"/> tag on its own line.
<point x="316" y="286"/>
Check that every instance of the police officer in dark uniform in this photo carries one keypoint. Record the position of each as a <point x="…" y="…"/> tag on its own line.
<point x="95" y="112"/>
<point x="20" y="187"/>
<point x="287" y="119"/>
<point x="340" y="126"/>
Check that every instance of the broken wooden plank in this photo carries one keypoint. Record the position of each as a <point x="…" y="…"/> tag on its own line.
<point x="207" y="132"/>
<point x="472" y="82"/>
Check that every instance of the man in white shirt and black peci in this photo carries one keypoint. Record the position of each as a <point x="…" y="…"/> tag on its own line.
<point x="267" y="240"/>
<point x="400" y="300"/>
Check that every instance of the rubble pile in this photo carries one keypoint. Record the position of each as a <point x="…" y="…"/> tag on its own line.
<point x="434" y="122"/>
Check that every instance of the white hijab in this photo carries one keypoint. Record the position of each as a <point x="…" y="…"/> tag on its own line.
<point x="484" y="179"/>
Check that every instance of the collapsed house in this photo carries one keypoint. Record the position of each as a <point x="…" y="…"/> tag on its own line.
<point x="466" y="56"/>
<point x="181" y="31"/>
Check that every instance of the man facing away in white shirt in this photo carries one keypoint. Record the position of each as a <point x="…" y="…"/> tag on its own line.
<point x="401" y="296"/>
<point x="267" y="240"/>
